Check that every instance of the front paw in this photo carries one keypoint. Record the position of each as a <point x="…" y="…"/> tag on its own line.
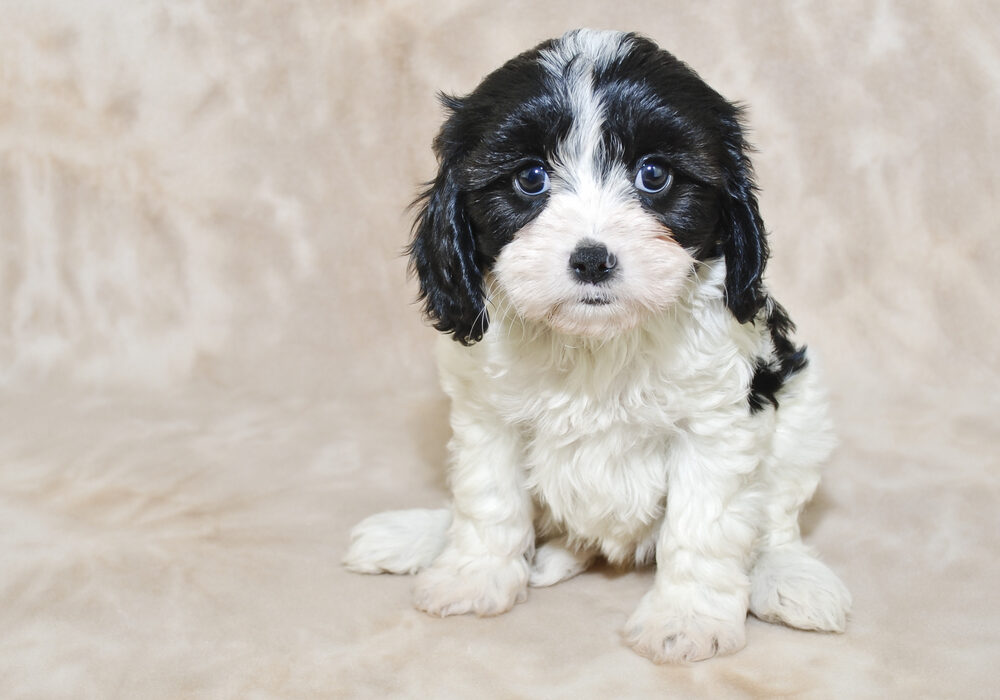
<point x="485" y="586"/>
<point x="673" y="625"/>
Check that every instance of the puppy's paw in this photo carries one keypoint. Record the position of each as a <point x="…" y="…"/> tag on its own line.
<point x="667" y="628"/>
<point x="555" y="561"/>
<point x="791" y="586"/>
<point x="486" y="586"/>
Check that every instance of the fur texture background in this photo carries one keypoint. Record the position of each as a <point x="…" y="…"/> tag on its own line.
<point x="210" y="366"/>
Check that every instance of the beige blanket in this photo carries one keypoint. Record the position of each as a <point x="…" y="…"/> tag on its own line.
<point x="211" y="366"/>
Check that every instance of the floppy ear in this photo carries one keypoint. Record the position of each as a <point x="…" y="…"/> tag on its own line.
<point x="744" y="242"/>
<point x="443" y="256"/>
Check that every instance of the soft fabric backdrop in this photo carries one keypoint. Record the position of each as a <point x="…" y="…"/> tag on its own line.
<point x="211" y="366"/>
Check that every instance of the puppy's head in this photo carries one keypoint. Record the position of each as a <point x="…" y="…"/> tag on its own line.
<point x="585" y="178"/>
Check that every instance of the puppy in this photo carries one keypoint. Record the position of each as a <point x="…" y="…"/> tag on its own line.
<point x="622" y="383"/>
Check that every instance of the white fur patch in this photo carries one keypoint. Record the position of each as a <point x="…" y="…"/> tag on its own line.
<point x="532" y="272"/>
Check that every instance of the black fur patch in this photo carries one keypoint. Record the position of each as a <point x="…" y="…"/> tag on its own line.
<point x="771" y="373"/>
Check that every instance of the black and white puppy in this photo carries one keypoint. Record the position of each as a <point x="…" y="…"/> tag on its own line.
<point x="623" y="385"/>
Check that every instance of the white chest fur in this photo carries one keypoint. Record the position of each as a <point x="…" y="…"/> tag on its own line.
<point x="606" y="489"/>
<point x="596" y="426"/>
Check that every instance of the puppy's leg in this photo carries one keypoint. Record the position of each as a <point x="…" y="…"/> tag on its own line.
<point x="698" y="605"/>
<point x="556" y="561"/>
<point x="483" y="568"/>
<point x="789" y="584"/>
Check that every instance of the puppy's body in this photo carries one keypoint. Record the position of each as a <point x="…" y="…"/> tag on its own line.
<point x="633" y="392"/>
<point x="599" y="423"/>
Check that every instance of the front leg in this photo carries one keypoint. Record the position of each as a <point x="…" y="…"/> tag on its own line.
<point x="484" y="566"/>
<point x="697" y="607"/>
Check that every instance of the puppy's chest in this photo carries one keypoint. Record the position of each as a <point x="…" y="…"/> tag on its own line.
<point x="597" y="460"/>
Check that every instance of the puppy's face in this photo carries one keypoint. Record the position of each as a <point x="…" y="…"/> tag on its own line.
<point x="594" y="261"/>
<point x="582" y="181"/>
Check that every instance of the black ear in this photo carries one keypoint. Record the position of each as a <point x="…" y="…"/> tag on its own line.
<point x="443" y="256"/>
<point x="744" y="241"/>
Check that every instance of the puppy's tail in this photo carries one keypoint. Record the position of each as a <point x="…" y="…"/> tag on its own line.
<point x="398" y="541"/>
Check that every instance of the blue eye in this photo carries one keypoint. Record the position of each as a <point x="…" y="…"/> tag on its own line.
<point x="532" y="181"/>
<point x="654" y="176"/>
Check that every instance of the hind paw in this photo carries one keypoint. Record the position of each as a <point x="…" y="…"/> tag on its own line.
<point x="555" y="561"/>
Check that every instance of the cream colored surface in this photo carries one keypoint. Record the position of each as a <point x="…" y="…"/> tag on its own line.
<point x="211" y="367"/>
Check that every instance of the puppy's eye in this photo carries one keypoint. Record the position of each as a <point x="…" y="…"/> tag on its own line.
<point x="532" y="181"/>
<point x="654" y="176"/>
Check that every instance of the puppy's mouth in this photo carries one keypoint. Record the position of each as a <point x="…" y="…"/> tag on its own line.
<point x="593" y="314"/>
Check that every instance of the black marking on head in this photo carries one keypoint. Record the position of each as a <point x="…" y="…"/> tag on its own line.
<point x="655" y="104"/>
<point x="770" y="374"/>
<point x="470" y="211"/>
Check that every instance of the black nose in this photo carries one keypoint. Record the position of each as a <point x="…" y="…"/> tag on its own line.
<point x="592" y="263"/>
